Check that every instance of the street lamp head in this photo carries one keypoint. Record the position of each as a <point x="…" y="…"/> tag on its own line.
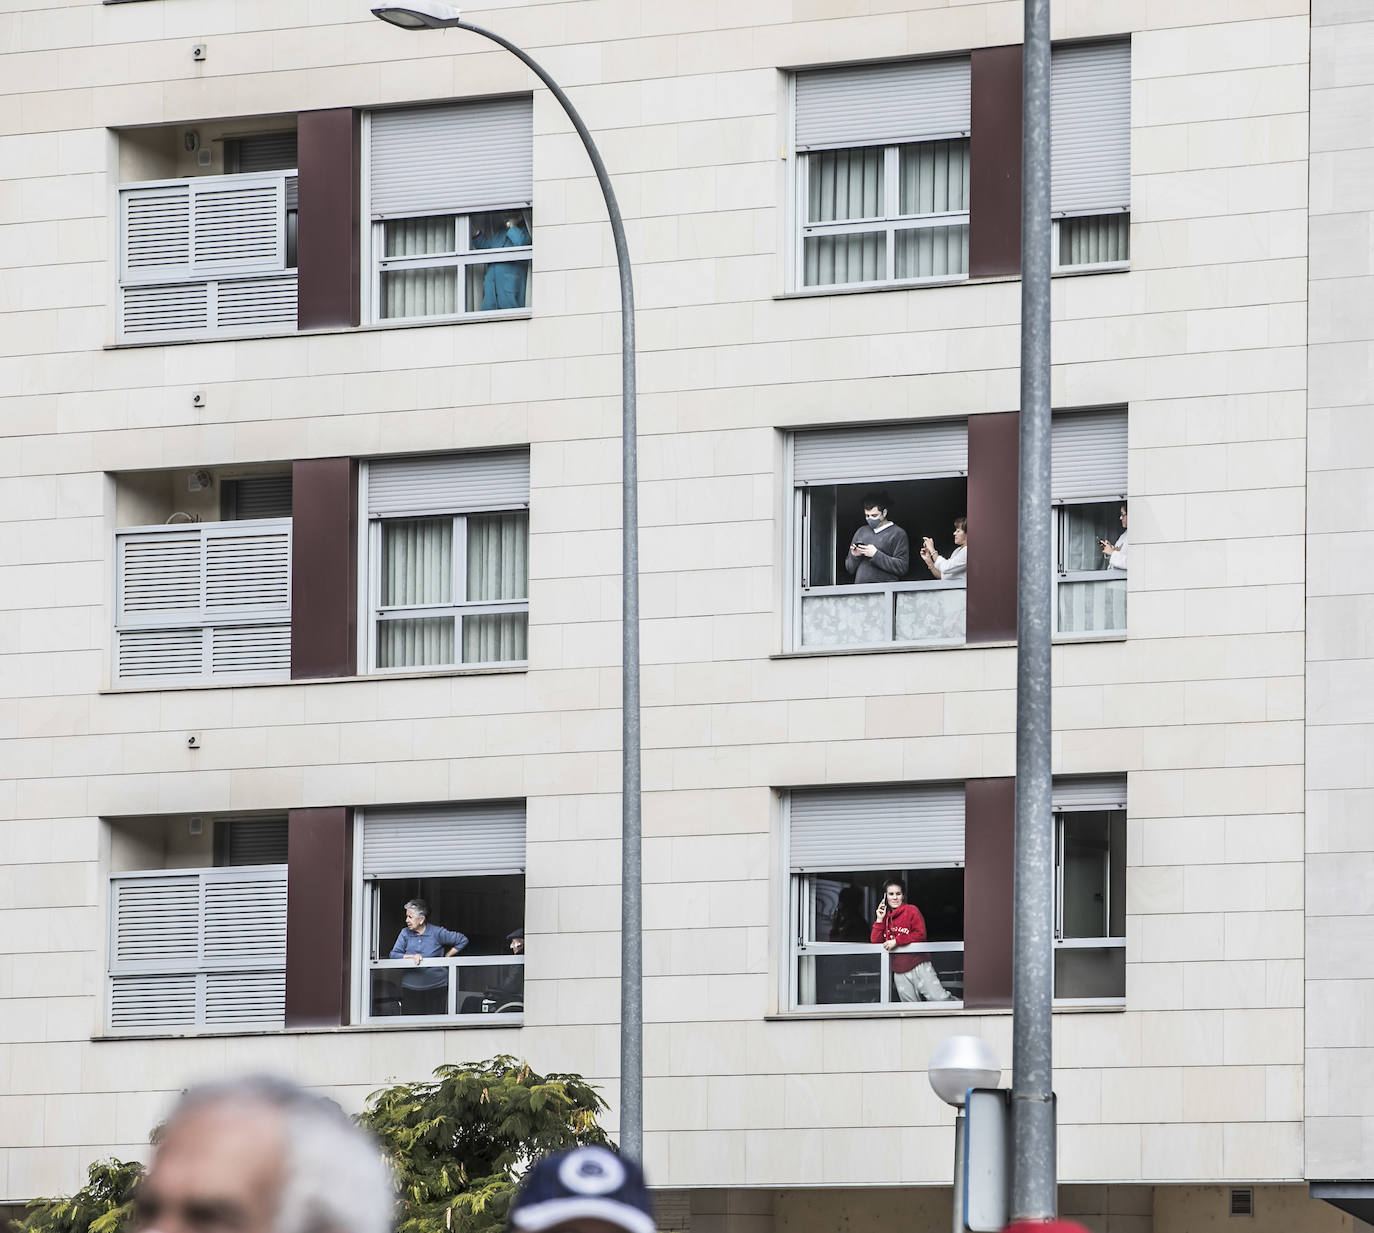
<point x="419" y="14"/>
<point x="962" y="1062"/>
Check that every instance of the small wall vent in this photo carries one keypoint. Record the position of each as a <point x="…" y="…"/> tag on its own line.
<point x="1242" y="1201"/>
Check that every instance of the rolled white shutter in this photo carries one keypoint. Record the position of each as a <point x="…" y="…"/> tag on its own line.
<point x="1088" y="455"/>
<point x="448" y="483"/>
<point x="1090" y="792"/>
<point x="1090" y="128"/>
<point x="437" y="840"/>
<point x="262" y="496"/>
<point x="880" y="452"/>
<point x="452" y="158"/>
<point x="882" y="104"/>
<point x="900" y="827"/>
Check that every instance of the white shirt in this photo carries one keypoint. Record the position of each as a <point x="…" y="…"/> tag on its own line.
<point x="1118" y="558"/>
<point x="956" y="564"/>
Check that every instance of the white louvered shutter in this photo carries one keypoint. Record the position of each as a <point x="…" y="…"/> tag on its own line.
<point x="148" y="914"/>
<point x="1090" y="128"/>
<point x="899" y="827"/>
<point x="256" y="302"/>
<point x="1088" y="455"/>
<point x="160" y="573"/>
<point x="448" y="483"/>
<point x="881" y="452"/>
<point x="155" y="223"/>
<point x="274" y="151"/>
<point x="882" y="104"/>
<point x="150" y="1003"/>
<point x="452" y="158"/>
<point x="444" y="839"/>
<point x="245" y="917"/>
<point x="238" y="222"/>
<point x="159" y="653"/>
<point x="1090" y="792"/>
<point x="245" y="997"/>
<point x="248" y="566"/>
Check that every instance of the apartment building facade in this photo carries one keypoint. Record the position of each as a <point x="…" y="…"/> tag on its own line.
<point x="311" y="562"/>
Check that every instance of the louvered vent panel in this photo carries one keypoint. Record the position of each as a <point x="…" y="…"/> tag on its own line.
<point x="238" y="224"/>
<point x="142" y="911"/>
<point x="149" y="310"/>
<point x="262" y="496"/>
<point x="256" y="301"/>
<point x="262" y="650"/>
<point x="161" y="652"/>
<point x="248" y="567"/>
<point x="157" y="227"/>
<point x="160" y="573"/>
<point x="153" y="1001"/>
<point x="245" y="997"/>
<point x="245" y="919"/>
<point x="256" y="841"/>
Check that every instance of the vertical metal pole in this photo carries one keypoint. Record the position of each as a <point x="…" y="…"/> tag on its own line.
<point x="631" y="872"/>
<point x="960" y="1139"/>
<point x="1033" y="1191"/>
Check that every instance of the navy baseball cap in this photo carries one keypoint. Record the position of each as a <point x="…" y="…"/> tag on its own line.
<point x="587" y="1183"/>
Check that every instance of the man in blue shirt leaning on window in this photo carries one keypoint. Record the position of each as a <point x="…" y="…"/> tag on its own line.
<point x="425" y="990"/>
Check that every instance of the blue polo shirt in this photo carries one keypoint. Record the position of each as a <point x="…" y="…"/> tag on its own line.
<point x="431" y="944"/>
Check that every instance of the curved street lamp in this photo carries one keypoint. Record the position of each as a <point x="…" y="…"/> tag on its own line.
<point x="436" y="15"/>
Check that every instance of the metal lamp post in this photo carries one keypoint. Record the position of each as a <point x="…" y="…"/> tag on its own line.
<point x="959" y="1063"/>
<point x="435" y="15"/>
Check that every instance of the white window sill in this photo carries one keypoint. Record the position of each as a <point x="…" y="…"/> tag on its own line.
<point x="928" y="648"/>
<point x="1071" y="271"/>
<point x="507" y="314"/>
<point x="436" y="1025"/>
<point x="928" y="1010"/>
<point x="476" y="670"/>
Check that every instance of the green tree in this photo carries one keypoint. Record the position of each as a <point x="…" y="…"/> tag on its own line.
<point x="103" y="1205"/>
<point x="457" y="1142"/>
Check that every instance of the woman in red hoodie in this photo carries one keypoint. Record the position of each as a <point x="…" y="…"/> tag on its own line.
<point x="899" y="923"/>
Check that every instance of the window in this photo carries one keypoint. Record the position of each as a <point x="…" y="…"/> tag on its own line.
<point x="227" y="966"/>
<point x="1090" y="103"/>
<point x="447" y="564"/>
<point x="207" y="255"/>
<point x="1088" y="490"/>
<point x="207" y="602"/>
<point x="882" y="191"/>
<point x="1090" y="890"/>
<point x="449" y="186"/>
<point x="920" y="470"/>
<point x="843" y="845"/>
<point x="467" y="863"/>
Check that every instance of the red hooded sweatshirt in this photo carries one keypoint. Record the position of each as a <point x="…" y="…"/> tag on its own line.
<point x="905" y="924"/>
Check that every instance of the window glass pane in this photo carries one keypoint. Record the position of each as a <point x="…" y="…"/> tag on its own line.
<point x="1096" y="240"/>
<point x="1090" y="973"/>
<point x="845" y="184"/>
<point x="930" y="616"/>
<point x="845" y="620"/>
<point x="501" y="284"/>
<point x="496" y="638"/>
<point x="414" y="237"/>
<point x="830" y="980"/>
<point x="419" y="293"/>
<point x="1082" y="528"/>
<point x="859" y="258"/>
<point x="934" y="177"/>
<point x="417" y="561"/>
<point x="824" y="535"/>
<point x="402" y="992"/>
<point x="1086" y="874"/>
<point x="1092" y="606"/>
<point x="498" y="562"/>
<point x="932" y="252"/>
<point x="420" y="642"/>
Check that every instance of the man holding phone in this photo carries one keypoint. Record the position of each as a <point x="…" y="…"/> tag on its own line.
<point x="880" y="550"/>
<point x="899" y="923"/>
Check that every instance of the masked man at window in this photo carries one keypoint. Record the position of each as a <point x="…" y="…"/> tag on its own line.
<point x="880" y="550"/>
<point x="503" y="284"/>
<point x="899" y="923"/>
<point x="425" y="990"/>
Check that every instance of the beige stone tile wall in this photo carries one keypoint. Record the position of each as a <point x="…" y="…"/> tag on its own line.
<point x="1340" y="600"/>
<point x="1203" y="705"/>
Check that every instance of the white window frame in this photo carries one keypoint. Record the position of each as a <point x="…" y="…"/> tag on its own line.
<point x="1095" y="576"/>
<point x="1107" y="805"/>
<point x="1094" y="267"/>
<point x="796" y="945"/>
<point x="367" y="932"/>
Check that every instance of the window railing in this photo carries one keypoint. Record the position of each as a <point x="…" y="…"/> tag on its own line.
<point x="210" y="601"/>
<point x="929" y="613"/>
<point x="836" y="974"/>
<point x="207" y="255"/>
<point x="492" y="986"/>
<point x="197" y="948"/>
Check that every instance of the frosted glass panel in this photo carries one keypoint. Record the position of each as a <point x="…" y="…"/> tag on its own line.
<point x="931" y="616"/>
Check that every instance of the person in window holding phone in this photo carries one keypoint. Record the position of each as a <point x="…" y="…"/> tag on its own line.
<point x="899" y="923"/>
<point x="503" y="284"/>
<point x="425" y="990"/>
<point x="880" y="550"/>
<point x="1116" y="553"/>
<point x="954" y="566"/>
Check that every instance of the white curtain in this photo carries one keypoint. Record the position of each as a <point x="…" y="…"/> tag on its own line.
<point x="933" y="180"/>
<point x="1094" y="240"/>
<point x="420" y="292"/>
<point x="498" y="569"/>
<point x="417" y="568"/>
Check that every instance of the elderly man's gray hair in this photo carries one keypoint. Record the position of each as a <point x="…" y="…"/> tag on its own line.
<point x="336" y="1180"/>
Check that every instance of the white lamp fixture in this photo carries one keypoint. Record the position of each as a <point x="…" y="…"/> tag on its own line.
<point x="419" y="14"/>
<point x="962" y="1062"/>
